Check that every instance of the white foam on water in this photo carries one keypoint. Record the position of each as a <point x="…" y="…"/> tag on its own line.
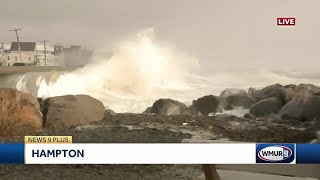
<point x="236" y="111"/>
<point x="139" y="72"/>
<point x="21" y="84"/>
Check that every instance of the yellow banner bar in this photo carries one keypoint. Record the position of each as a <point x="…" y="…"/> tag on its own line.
<point x="47" y="139"/>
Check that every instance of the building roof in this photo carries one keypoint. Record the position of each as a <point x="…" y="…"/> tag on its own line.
<point x="5" y="46"/>
<point x="40" y="47"/>
<point x="25" y="46"/>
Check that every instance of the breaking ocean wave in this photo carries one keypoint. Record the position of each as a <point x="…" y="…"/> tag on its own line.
<point x="142" y="70"/>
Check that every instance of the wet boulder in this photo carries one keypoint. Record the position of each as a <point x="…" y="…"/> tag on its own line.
<point x="251" y="91"/>
<point x="109" y="112"/>
<point x="237" y="100"/>
<point x="302" y="90"/>
<point x="147" y="111"/>
<point x="18" y="112"/>
<point x="168" y="107"/>
<point x="249" y="116"/>
<point x="290" y="86"/>
<point x="192" y="111"/>
<point x="266" y="106"/>
<point x="274" y="118"/>
<point x="71" y="111"/>
<point x="317" y="140"/>
<point x="302" y="108"/>
<point x="206" y="104"/>
<point x="230" y="98"/>
<point x="276" y="90"/>
<point x="230" y="91"/>
<point x="40" y="101"/>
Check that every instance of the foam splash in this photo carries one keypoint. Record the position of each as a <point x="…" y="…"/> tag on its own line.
<point x="140" y="71"/>
<point x="144" y="69"/>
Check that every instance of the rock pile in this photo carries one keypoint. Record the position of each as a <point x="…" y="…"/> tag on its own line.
<point x="296" y="103"/>
<point x="21" y="113"/>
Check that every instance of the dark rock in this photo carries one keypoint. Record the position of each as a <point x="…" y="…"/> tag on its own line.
<point x="70" y="111"/>
<point x="228" y="92"/>
<point x="192" y="111"/>
<point x="251" y="91"/>
<point x="275" y="118"/>
<point x="249" y="116"/>
<point x="307" y="124"/>
<point x="207" y="104"/>
<point x="290" y="86"/>
<point x="147" y="111"/>
<point x="317" y="140"/>
<point x="302" y="108"/>
<point x="168" y="107"/>
<point x="302" y="90"/>
<point x="220" y="109"/>
<point x="40" y="101"/>
<point x="109" y="112"/>
<point x="266" y="106"/>
<point x="263" y="128"/>
<point x="237" y="100"/>
<point x="275" y="90"/>
<point x="229" y="98"/>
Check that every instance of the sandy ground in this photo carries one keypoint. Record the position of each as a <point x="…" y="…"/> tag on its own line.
<point x="242" y="175"/>
<point x="301" y="170"/>
<point x="138" y="128"/>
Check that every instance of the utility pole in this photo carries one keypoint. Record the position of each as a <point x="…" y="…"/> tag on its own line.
<point x="45" y="51"/>
<point x="1" y="57"/>
<point x="60" y="55"/>
<point x="18" y="41"/>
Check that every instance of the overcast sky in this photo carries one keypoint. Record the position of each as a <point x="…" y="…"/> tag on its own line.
<point x="219" y="33"/>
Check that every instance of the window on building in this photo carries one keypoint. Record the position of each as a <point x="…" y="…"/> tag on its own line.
<point x="16" y="58"/>
<point x="8" y="57"/>
<point x="8" y="64"/>
<point x="29" y="58"/>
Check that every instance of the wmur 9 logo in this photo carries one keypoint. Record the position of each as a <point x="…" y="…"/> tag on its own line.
<point x="275" y="153"/>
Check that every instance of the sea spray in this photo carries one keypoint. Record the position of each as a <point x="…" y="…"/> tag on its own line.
<point x="144" y="69"/>
<point x="139" y="72"/>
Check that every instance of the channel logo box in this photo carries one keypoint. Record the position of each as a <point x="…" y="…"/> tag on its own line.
<point x="275" y="153"/>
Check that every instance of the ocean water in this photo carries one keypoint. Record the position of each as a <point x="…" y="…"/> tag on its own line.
<point x="142" y="70"/>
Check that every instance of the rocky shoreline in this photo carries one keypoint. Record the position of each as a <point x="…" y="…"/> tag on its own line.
<point x="281" y="114"/>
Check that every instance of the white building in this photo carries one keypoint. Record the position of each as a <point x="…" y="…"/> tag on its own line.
<point x="4" y="49"/>
<point x="31" y="54"/>
<point x="28" y="53"/>
<point x="35" y="54"/>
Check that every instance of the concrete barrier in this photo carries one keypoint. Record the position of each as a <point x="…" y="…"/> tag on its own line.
<point x="24" y="69"/>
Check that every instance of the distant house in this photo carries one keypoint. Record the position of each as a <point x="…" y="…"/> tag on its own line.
<point x="72" y="55"/>
<point x="45" y="54"/>
<point x="28" y="53"/>
<point x="4" y="50"/>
